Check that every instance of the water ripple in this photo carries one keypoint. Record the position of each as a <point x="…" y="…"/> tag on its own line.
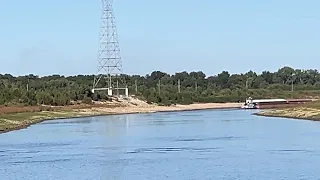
<point x="191" y="115"/>
<point x="24" y="151"/>
<point x="77" y="121"/>
<point x="171" y="149"/>
<point x="209" y="139"/>
<point x="234" y="120"/>
<point x="292" y="150"/>
<point x="38" y="145"/>
<point x="42" y="161"/>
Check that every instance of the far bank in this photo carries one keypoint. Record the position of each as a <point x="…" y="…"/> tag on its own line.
<point x="308" y="111"/>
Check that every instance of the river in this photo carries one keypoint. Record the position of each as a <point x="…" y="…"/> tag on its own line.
<point x="208" y="144"/>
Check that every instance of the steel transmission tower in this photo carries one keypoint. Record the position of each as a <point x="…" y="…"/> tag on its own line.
<point x="109" y="58"/>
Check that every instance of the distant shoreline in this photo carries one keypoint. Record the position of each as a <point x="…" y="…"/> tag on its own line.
<point x="286" y="117"/>
<point x="298" y="113"/>
<point x="17" y="121"/>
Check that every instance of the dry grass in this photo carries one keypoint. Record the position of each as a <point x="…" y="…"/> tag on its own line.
<point x="307" y="111"/>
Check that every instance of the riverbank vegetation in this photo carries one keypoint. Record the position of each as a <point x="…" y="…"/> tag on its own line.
<point x="162" y="88"/>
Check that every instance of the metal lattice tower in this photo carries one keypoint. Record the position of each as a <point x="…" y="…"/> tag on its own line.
<point x="109" y="58"/>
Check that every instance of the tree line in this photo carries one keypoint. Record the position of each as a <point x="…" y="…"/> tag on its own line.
<point x="163" y="88"/>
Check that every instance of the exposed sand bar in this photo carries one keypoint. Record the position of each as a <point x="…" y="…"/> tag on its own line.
<point x="155" y="108"/>
<point x="15" y="121"/>
<point x="294" y="113"/>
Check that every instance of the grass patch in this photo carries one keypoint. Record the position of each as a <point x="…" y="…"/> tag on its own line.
<point x="309" y="110"/>
<point x="14" y="120"/>
<point x="315" y="105"/>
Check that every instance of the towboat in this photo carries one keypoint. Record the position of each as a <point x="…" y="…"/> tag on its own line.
<point x="249" y="106"/>
<point x="271" y="103"/>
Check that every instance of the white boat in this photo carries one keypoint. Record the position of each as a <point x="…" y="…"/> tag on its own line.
<point x="255" y="104"/>
<point x="249" y="106"/>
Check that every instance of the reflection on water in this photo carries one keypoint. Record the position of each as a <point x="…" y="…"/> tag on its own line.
<point x="210" y="144"/>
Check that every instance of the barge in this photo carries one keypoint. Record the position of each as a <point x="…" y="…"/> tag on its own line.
<point x="272" y="103"/>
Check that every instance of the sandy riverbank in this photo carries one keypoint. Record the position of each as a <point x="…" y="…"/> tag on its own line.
<point x="15" y="121"/>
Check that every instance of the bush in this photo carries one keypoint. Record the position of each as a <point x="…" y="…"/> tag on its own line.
<point x="87" y="100"/>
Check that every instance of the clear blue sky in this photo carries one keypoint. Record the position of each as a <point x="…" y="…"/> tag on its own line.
<point x="61" y="37"/>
